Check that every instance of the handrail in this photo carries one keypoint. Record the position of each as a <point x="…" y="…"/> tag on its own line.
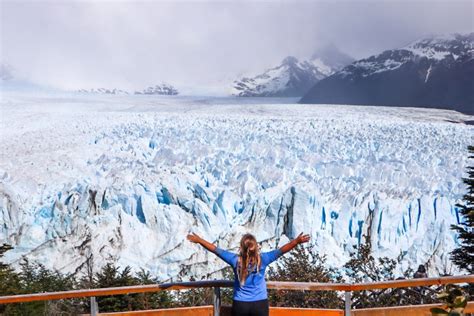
<point x="308" y="286"/>
<point x="413" y="282"/>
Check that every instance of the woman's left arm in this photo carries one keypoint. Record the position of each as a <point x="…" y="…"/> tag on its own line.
<point x="227" y="256"/>
<point x="198" y="240"/>
<point x="295" y="242"/>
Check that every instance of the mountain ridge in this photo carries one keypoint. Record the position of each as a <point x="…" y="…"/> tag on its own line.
<point x="432" y="72"/>
<point x="159" y="89"/>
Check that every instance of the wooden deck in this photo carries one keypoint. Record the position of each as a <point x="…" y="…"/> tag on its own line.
<point x="182" y="311"/>
<point x="420" y="310"/>
<point x="306" y="286"/>
<point x="416" y="310"/>
<point x="225" y="311"/>
<point x="217" y="309"/>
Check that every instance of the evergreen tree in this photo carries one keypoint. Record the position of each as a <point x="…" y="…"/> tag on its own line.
<point x="301" y="266"/>
<point x="111" y="276"/>
<point x="195" y="297"/>
<point x="35" y="278"/>
<point x="9" y="279"/>
<point x="4" y="248"/>
<point x="227" y="293"/>
<point x="153" y="300"/>
<point x="463" y="256"/>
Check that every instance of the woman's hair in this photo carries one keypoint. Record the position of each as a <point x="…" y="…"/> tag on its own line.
<point x="249" y="255"/>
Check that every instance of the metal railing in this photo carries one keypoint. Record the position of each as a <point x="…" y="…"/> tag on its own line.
<point x="347" y="288"/>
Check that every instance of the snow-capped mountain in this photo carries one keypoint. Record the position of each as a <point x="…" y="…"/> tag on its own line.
<point x="292" y="78"/>
<point x="433" y="72"/>
<point x="125" y="181"/>
<point x="103" y="91"/>
<point x="162" y="89"/>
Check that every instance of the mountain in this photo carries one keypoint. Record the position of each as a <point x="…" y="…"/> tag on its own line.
<point x="103" y="91"/>
<point x="126" y="184"/>
<point x="435" y="72"/>
<point x="292" y="78"/>
<point x="163" y="89"/>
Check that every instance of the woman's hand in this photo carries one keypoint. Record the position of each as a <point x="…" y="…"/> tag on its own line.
<point x="194" y="238"/>
<point x="295" y="242"/>
<point x="301" y="239"/>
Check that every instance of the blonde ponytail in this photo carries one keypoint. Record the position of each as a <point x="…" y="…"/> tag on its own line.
<point x="249" y="255"/>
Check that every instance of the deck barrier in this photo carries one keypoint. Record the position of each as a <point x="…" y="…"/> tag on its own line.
<point x="347" y="288"/>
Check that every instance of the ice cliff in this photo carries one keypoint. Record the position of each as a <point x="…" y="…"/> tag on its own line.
<point x="126" y="182"/>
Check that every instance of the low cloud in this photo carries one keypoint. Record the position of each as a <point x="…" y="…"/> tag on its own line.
<point x="202" y="45"/>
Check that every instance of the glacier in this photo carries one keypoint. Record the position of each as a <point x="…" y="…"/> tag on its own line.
<point x="85" y="180"/>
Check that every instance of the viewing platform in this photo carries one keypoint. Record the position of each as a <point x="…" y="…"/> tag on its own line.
<point x="217" y="308"/>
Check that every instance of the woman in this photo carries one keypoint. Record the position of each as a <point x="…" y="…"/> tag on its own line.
<point x="250" y="290"/>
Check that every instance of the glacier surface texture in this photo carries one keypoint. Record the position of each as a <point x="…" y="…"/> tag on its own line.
<point x="87" y="180"/>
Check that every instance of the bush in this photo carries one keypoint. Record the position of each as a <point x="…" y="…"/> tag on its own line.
<point x="304" y="265"/>
<point x="363" y="267"/>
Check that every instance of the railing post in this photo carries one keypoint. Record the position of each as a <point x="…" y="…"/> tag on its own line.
<point x="94" y="307"/>
<point x="347" y="303"/>
<point x="217" y="301"/>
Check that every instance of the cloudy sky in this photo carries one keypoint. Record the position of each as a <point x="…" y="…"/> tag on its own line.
<point x="203" y="45"/>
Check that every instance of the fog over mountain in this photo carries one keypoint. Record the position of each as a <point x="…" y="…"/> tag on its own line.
<point x="202" y="46"/>
<point x="6" y="72"/>
<point x="293" y="77"/>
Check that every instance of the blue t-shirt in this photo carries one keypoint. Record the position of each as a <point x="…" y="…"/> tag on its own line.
<point x="255" y="287"/>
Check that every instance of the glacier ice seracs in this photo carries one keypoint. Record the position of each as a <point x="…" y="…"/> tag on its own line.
<point x="88" y="180"/>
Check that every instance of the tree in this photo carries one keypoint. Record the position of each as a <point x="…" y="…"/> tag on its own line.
<point x="153" y="300"/>
<point x="9" y="279"/>
<point x="33" y="278"/>
<point x="111" y="276"/>
<point x="463" y="256"/>
<point x="363" y="267"/>
<point x="227" y="293"/>
<point x="304" y="265"/>
<point x="196" y="296"/>
<point x="36" y="278"/>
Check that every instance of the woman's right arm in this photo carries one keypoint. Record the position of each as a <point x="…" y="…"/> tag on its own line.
<point x="300" y="239"/>
<point x="269" y="257"/>
<point x="198" y="240"/>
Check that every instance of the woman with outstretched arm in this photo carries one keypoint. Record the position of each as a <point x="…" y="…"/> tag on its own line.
<point x="250" y="290"/>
